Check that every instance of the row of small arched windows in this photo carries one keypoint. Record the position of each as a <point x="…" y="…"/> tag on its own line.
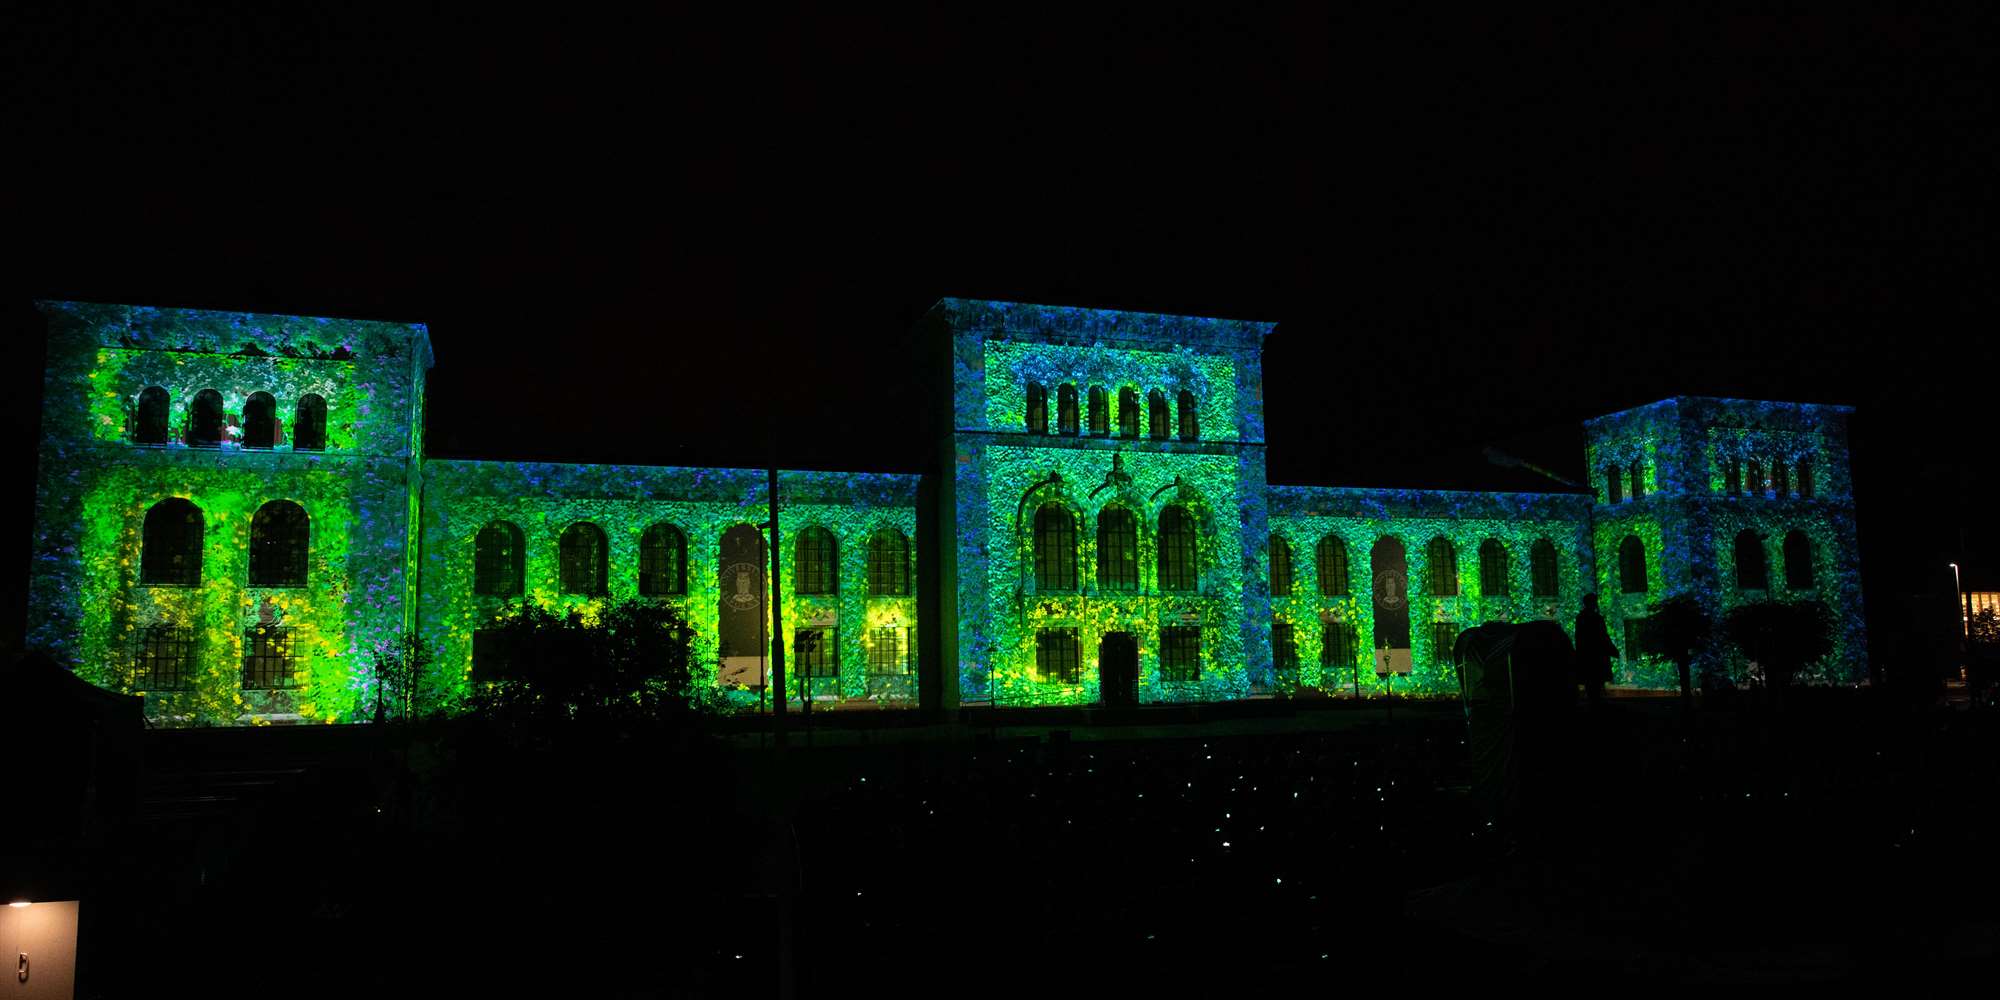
<point x="1177" y="558"/>
<point x="1160" y="422"/>
<point x="583" y="564"/>
<point x="1615" y="477"/>
<point x="1745" y="477"/>
<point x="1752" y="568"/>
<point x="261" y="428"/>
<point x="1441" y="557"/>
<point x="170" y="544"/>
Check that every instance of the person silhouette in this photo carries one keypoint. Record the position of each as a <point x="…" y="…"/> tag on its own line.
<point x="1593" y="650"/>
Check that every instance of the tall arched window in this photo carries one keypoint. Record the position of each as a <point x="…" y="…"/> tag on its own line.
<point x="1117" y="550"/>
<point x="1751" y="571"/>
<point x="888" y="563"/>
<point x="1781" y="484"/>
<point x="1638" y="479"/>
<point x="1732" y="475"/>
<point x="817" y="566"/>
<point x="581" y="559"/>
<point x="1038" y="409"/>
<point x="260" y="421"/>
<point x="1330" y="562"/>
<point x="1443" y="568"/>
<point x="1055" y="548"/>
<point x="1281" y="566"/>
<point x="1805" y="478"/>
<point x="1190" y="416"/>
<point x="309" y="426"/>
<point x="1753" y="478"/>
<point x="662" y="561"/>
<point x="1614" y="484"/>
<point x="1542" y="572"/>
<point x="1128" y="412"/>
<point x="1632" y="565"/>
<point x="1100" y="412"/>
<point x="1066" y="409"/>
<point x="280" y="535"/>
<point x="1179" y="571"/>
<point x="1492" y="568"/>
<point x="1158" y="421"/>
<point x="170" y="544"/>
<point x="204" y="428"/>
<point x="1798" y="561"/>
<point x="497" y="560"/>
<point x="152" y="423"/>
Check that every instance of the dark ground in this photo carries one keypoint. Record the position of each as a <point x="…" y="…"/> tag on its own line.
<point x="1842" y="840"/>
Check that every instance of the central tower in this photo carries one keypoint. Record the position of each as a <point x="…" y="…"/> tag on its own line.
<point x="1105" y="479"/>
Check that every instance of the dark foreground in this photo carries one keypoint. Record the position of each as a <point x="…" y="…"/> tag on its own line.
<point x="1837" y="841"/>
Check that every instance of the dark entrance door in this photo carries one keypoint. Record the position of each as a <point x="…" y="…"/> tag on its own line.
<point x="1118" y="669"/>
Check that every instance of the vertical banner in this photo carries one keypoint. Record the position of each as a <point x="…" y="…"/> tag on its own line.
<point x="742" y="642"/>
<point x="1391" y="574"/>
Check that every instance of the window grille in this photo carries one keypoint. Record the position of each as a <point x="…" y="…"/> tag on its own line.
<point x="1055" y="549"/>
<point x="1444" y="636"/>
<point x="1492" y="568"/>
<point x="1281" y="567"/>
<point x="581" y="559"/>
<point x="1117" y="550"/>
<point x="816" y="572"/>
<point x="166" y="659"/>
<point x="1179" y="571"/>
<point x="1056" y="658"/>
<point x="1180" y="653"/>
<point x="497" y="560"/>
<point x="662" y="561"/>
<point x="267" y="658"/>
<point x="817" y="651"/>
<point x="889" y="650"/>
<point x="1443" y="568"/>
<point x="888" y="564"/>
<point x="1330" y="560"/>
<point x="1337" y="642"/>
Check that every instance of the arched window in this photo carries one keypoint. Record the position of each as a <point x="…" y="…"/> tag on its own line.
<point x="1614" y="484"/>
<point x="1066" y="409"/>
<point x="1055" y="548"/>
<point x="1158" y="420"/>
<point x="1542" y="572"/>
<point x="497" y="556"/>
<point x="1178" y="569"/>
<point x="1805" y="478"/>
<point x="1781" y="484"/>
<point x="1128" y="412"/>
<point x="580" y="559"/>
<point x="204" y="429"/>
<point x="1632" y="565"/>
<point x="1798" y="561"/>
<point x="1492" y="568"/>
<point x="888" y="563"/>
<point x="1038" y="409"/>
<point x="1100" y="412"/>
<point x="1751" y="572"/>
<point x="170" y="545"/>
<point x="309" y="426"/>
<point x="1753" y="478"/>
<point x="260" y="421"/>
<point x="662" y="561"/>
<point x="1281" y="566"/>
<point x="1117" y="550"/>
<point x="1443" y="568"/>
<point x="1732" y="476"/>
<point x="1190" y="416"/>
<point x="279" y="537"/>
<point x="817" y="569"/>
<point x="152" y="425"/>
<point x="1330" y="561"/>
<point x="1638" y="479"/>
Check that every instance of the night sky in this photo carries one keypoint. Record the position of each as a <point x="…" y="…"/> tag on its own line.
<point x="631" y="239"/>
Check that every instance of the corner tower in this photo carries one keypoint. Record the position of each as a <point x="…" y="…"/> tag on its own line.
<point x="1105" y="492"/>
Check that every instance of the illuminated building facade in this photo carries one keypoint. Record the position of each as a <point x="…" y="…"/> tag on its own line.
<point x="234" y="515"/>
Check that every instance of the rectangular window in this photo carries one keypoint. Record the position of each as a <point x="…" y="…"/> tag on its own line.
<point x="889" y="651"/>
<point x="1444" y="635"/>
<point x="166" y="659"/>
<point x="1284" y="647"/>
<point x="1180" y="653"/>
<point x="267" y="658"/>
<point x="1336" y="649"/>
<point x="1056" y="655"/>
<point x="817" y="651"/>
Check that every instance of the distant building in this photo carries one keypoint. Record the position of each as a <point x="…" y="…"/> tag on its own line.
<point x="234" y="514"/>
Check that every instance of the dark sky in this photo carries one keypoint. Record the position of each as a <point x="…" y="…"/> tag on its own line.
<point x="629" y="236"/>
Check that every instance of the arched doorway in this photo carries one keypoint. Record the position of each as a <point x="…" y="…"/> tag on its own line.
<point x="1118" y="670"/>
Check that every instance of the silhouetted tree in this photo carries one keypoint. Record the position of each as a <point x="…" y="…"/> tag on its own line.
<point x="628" y="667"/>
<point x="1680" y="628"/>
<point x="1783" y="637"/>
<point x="401" y="668"/>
